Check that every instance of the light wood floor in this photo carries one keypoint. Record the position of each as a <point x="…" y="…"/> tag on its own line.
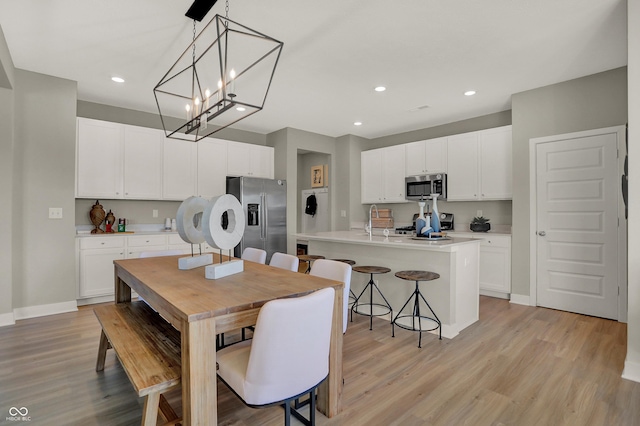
<point x="517" y="366"/>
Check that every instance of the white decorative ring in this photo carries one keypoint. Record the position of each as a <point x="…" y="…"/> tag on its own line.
<point x="214" y="234"/>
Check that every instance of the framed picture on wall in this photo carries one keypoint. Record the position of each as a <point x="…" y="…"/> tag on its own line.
<point x="317" y="176"/>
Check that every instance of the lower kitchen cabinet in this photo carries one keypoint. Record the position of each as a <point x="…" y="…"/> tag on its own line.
<point x="495" y="262"/>
<point x="95" y="264"/>
<point x="96" y="254"/>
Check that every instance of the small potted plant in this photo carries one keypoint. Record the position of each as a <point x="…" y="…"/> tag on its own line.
<point x="480" y="224"/>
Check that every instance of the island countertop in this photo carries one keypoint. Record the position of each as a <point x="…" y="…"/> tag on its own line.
<point x="393" y="240"/>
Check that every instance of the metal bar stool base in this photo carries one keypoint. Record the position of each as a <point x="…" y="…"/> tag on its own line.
<point x="416" y="317"/>
<point x="357" y="305"/>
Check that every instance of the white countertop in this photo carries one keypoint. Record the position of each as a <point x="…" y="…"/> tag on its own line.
<point x="394" y="240"/>
<point x="139" y="229"/>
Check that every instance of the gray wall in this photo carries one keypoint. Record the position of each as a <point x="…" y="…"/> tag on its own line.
<point x="145" y="119"/>
<point x="463" y="126"/>
<point x="44" y="175"/>
<point x="591" y="102"/>
<point x="6" y="178"/>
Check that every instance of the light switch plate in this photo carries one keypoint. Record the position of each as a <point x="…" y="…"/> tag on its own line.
<point x="55" y="212"/>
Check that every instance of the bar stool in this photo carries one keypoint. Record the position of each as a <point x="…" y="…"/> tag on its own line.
<point x="371" y="285"/>
<point x="308" y="259"/>
<point x="417" y="276"/>
<point x="352" y="295"/>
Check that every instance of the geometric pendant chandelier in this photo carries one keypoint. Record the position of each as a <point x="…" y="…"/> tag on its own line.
<point x="222" y="77"/>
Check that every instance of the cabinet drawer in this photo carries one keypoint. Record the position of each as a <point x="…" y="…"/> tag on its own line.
<point x="147" y="240"/>
<point x="101" y="242"/>
<point x="175" y="239"/>
<point x="496" y="242"/>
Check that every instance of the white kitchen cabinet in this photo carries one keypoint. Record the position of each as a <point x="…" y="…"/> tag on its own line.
<point x="99" y="159"/>
<point x="495" y="262"/>
<point x="382" y="175"/>
<point x="426" y="157"/>
<point x="479" y="165"/>
<point x="139" y="244"/>
<point x="96" y="256"/>
<point x="212" y="167"/>
<point x="244" y="159"/>
<point x="496" y="177"/>
<point x="179" y="170"/>
<point x="142" y="163"/>
<point x="462" y="167"/>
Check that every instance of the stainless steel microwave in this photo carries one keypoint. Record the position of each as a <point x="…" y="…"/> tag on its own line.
<point x="425" y="185"/>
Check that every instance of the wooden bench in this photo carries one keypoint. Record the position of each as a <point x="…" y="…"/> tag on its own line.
<point x="148" y="348"/>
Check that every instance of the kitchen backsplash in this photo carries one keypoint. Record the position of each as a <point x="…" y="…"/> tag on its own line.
<point x="499" y="212"/>
<point x="135" y="211"/>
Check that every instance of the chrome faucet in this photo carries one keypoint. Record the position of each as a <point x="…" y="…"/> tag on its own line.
<point x="377" y="215"/>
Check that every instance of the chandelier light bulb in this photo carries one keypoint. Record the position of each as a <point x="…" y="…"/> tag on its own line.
<point x="187" y="107"/>
<point x="232" y="76"/>
<point x="207" y="95"/>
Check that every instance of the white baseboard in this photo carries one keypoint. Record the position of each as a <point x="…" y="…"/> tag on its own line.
<point x="520" y="299"/>
<point x="631" y="371"/>
<point x="43" y="310"/>
<point x="7" y="319"/>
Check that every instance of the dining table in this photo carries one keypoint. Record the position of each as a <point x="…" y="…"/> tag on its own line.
<point x="201" y="308"/>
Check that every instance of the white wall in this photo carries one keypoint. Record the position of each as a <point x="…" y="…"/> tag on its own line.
<point x="632" y="363"/>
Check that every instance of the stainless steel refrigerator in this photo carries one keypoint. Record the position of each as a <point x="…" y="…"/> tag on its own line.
<point x="264" y="202"/>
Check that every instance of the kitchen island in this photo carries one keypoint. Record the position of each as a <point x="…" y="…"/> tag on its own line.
<point x="454" y="296"/>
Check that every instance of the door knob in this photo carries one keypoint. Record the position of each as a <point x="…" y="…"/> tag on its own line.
<point x="542" y="233"/>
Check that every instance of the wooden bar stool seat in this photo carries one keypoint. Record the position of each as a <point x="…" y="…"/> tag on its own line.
<point x="367" y="307"/>
<point x="308" y="259"/>
<point x="416" y="321"/>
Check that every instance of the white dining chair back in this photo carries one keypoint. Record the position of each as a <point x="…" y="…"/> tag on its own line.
<point x="338" y="271"/>
<point x="254" y="255"/>
<point x="285" y="261"/>
<point x="288" y="355"/>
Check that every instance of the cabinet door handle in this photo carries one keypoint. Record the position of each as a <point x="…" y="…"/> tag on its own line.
<point x="542" y="233"/>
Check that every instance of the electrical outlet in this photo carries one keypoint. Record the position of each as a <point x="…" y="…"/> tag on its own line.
<point x="155" y="213"/>
<point x="478" y="213"/>
<point x="343" y="213"/>
<point x="55" y="212"/>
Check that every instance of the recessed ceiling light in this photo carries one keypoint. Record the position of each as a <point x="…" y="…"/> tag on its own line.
<point x="241" y="109"/>
<point x="357" y="123"/>
<point x="117" y="79"/>
<point x="380" y="89"/>
<point x="470" y="93"/>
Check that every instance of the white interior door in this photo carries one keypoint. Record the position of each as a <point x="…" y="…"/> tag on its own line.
<point x="577" y="225"/>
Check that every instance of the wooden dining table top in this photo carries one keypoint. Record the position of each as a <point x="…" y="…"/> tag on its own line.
<point x="191" y="297"/>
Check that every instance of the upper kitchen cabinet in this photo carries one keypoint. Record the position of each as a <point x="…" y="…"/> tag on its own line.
<point x="382" y="175"/>
<point x="479" y="165"/>
<point x="428" y="156"/>
<point x="212" y="167"/>
<point x="179" y="171"/>
<point x="245" y="159"/>
<point x="142" y="163"/>
<point x="99" y="159"/>
<point x="495" y="164"/>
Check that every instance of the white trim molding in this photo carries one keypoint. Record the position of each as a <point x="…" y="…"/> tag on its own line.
<point x="631" y="371"/>
<point x="7" y="319"/>
<point x="521" y="299"/>
<point x="44" y="310"/>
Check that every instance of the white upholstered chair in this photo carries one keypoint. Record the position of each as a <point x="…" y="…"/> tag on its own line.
<point x="288" y="356"/>
<point x="285" y="261"/>
<point x="254" y="255"/>
<point x="337" y="271"/>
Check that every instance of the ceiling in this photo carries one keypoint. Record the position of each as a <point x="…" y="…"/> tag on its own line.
<point x="426" y="52"/>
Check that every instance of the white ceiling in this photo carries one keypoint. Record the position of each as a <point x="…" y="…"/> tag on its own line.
<point x="426" y="52"/>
